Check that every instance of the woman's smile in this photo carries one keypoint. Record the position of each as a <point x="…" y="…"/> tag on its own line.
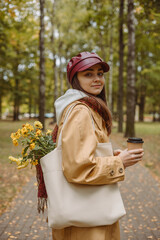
<point x="97" y="86"/>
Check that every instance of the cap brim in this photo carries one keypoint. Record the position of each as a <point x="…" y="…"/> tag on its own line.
<point x="104" y="65"/>
<point x="85" y="64"/>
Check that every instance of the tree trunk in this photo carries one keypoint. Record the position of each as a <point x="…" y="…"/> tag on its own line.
<point x="102" y="45"/>
<point x="60" y="68"/>
<point x="111" y="61"/>
<point x="55" y="86"/>
<point x="16" y="101"/>
<point x="1" y="93"/>
<point x="16" y="90"/>
<point x="61" y="79"/>
<point x="141" y="106"/>
<point x="130" y="130"/>
<point x="42" y="66"/>
<point x="67" y="86"/>
<point x="0" y="105"/>
<point x="30" y="104"/>
<point x="55" y="79"/>
<point x="35" y="105"/>
<point x="120" y="80"/>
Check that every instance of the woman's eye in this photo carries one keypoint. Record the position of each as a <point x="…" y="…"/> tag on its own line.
<point x="88" y="74"/>
<point x="100" y="74"/>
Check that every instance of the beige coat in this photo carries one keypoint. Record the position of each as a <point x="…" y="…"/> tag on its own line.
<point x="79" y="141"/>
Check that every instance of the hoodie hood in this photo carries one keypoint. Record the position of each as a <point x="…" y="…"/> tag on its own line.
<point x="61" y="103"/>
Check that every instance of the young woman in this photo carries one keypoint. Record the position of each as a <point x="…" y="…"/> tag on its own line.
<point x="79" y="139"/>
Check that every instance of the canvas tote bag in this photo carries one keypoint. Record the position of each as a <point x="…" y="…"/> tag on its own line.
<point x="79" y="205"/>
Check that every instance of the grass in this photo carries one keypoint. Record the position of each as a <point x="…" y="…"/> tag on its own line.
<point x="12" y="179"/>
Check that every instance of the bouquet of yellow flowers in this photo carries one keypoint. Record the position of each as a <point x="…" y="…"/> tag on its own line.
<point x="35" y="142"/>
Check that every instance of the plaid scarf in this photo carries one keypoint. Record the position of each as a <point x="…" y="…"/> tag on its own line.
<point x="42" y="194"/>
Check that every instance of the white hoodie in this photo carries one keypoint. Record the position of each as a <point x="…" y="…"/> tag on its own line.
<point x="70" y="96"/>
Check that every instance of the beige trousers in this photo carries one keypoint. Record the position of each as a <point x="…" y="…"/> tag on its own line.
<point x="110" y="232"/>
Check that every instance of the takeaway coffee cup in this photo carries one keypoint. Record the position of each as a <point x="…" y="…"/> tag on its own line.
<point x="134" y="143"/>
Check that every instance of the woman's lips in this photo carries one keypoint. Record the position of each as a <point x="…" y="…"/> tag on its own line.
<point x="96" y="86"/>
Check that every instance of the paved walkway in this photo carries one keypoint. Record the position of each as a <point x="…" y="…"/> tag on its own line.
<point x="141" y="194"/>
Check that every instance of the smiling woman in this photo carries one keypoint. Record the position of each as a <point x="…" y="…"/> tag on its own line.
<point x="84" y="123"/>
<point x="92" y="79"/>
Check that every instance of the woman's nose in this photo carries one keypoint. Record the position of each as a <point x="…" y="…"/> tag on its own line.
<point x="97" y="78"/>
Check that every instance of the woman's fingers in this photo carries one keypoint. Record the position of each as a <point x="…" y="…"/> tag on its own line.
<point x="131" y="163"/>
<point x="135" y="156"/>
<point x="131" y="157"/>
<point x="117" y="152"/>
<point x="136" y="151"/>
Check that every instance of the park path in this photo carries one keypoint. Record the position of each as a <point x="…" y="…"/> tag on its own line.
<point x="141" y="195"/>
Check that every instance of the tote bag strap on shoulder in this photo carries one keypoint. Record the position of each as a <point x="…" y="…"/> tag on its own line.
<point x="66" y="118"/>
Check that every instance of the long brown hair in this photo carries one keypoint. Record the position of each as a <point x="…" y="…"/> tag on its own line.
<point x="100" y="100"/>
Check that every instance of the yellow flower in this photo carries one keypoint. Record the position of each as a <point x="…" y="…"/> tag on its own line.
<point x="24" y="131"/>
<point x="12" y="135"/>
<point x="24" y="155"/>
<point x="29" y="127"/>
<point x="17" y="160"/>
<point x="35" y="162"/>
<point x="38" y="132"/>
<point x="32" y="146"/>
<point x="13" y="159"/>
<point x="15" y="142"/>
<point x="49" y="132"/>
<point x="23" y="165"/>
<point x="17" y="135"/>
<point x="38" y="124"/>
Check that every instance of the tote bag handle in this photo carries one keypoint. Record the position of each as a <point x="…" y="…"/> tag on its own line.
<point x="66" y="118"/>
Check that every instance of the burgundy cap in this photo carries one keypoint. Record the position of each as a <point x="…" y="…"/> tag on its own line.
<point x="83" y="61"/>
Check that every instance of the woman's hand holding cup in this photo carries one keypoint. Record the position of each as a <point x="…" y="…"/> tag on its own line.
<point x="131" y="157"/>
<point x="133" y="153"/>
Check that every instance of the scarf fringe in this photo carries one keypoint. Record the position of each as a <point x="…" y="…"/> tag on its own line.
<point x="42" y="204"/>
<point x="42" y="194"/>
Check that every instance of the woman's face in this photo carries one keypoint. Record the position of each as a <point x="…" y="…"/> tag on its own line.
<point x="92" y="79"/>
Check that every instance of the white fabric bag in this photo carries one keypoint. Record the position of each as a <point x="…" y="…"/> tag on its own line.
<point x="79" y="205"/>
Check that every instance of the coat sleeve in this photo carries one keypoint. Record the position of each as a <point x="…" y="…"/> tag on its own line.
<point x="78" y="147"/>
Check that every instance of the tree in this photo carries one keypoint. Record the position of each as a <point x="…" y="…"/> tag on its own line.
<point x="55" y="75"/>
<point x="18" y="45"/>
<point x="111" y="59"/>
<point x="130" y="130"/>
<point x="84" y="25"/>
<point x="3" y="56"/>
<point x="120" y="78"/>
<point x="147" y="48"/>
<point x="42" y="66"/>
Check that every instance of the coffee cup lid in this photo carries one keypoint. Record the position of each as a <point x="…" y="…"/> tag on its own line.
<point x="135" y="140"/>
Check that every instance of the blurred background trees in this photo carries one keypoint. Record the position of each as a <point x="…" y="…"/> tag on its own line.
<point x="72" y="26"/>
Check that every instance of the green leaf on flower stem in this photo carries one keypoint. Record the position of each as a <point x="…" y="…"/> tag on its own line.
<point x="28" y="141"/>
<point x="37" y="148"/>
<point x="30" y="156"/>
<point x="41" y="139"/>
<point x="25" y="150"/>
<point x="24" y="142"/>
